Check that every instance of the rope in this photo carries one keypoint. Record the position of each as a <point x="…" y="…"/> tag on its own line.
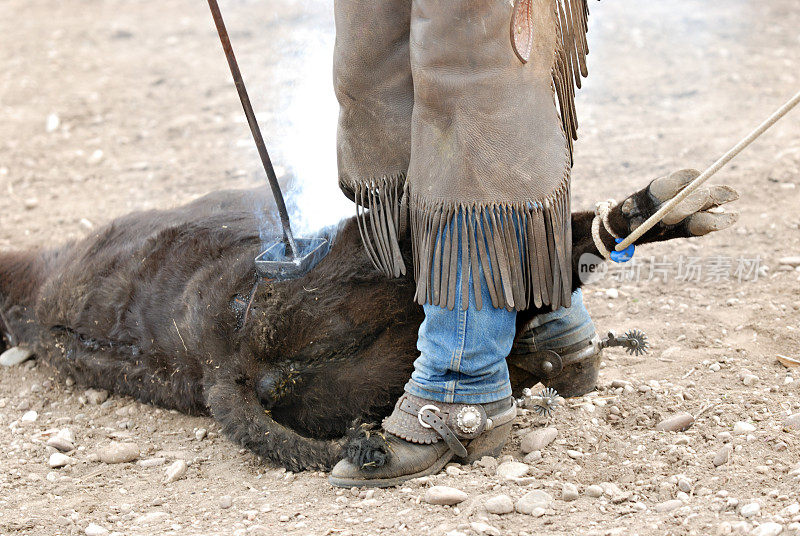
<point x="601" y="211"/>
<point x="703" y="177"/>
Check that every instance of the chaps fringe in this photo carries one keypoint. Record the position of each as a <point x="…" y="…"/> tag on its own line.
<point x="523" y="249"/>
<point x="378" y="214"/>
<point x="570" y="61"/>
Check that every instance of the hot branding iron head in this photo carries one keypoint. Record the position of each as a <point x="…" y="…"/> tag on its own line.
<point x="274" y="263"/>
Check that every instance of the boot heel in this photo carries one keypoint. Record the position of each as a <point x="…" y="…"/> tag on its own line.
<point x="488" y="444"/>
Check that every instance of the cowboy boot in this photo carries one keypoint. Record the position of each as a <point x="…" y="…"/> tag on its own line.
<point x="372" y="81"/>
<point x="420" y="437"/>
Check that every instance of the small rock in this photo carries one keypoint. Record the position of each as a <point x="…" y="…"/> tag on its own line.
<point x="95" y="530"/>
<point x="750" y="509"/>
<point x="569" y="492"/>
<point x="30" y="203"/>
<point x="15" y="356"/>
<point x="750" y="379"/>
<point x="533" y="457"/>
<point x="723" y="455"/>
<point x="488" y="462"/>
<point x="574" y="454"/>
<point x="668" y="506"/>
<point x="225" y="502"/>
<point x="794" y="262"/>
<point x="510" y="470"/>
<point x="768" y="529"/>
<point x="86" y="224"/>
<point x="95" y="157"/>
<point x="619" y="383"/>
<point x="792" y="422"/>
<point x="612" y="293"/>
<point x="676" y="423"/>
<point x="538" y="439"/>
<point x="59" y="443"/>
<point x="200" y="434"/>
<point x="501" y="504"/>
<point x="742" y="427"/>
<point x="684" y="485"/>
<point x="96" y="397"/>
<point x="52" y="123"/>
<point x="533" y="500"/>
<point x="152" y="462"/>
<point x="66" y="434"/>
<point x="594" y="491"/>
<point x="480" y="528"/>
<point x="118" y="452"/>
<point x="175" y="471"/>
<point x="29" y="416"/>
<point x="58" y="460"/>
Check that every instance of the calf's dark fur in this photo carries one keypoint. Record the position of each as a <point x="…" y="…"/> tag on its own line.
<point x="143" y="307"/>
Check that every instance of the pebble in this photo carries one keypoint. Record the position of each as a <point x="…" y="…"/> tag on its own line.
<point x="29" y="416"/>
<point x="569" y="492"/>
<point x="96" y="397"/>
<point x="118" y="452"/>
<point x="722" y="456"/>
<point x="511" y="470"/>
<point x="95" y="157"/>
<point x="152" y="462"/>
<point x="480" y="527"/>
<point x="60" y="443"/>
<point x="594" y="491"/>
<point x="676" y="423"/>
<point x="612" y="293"/>
<point x="684" y="485"/>
<point x="95" y="530"/>
<point x="574" y="454"/>
<point x="58" y="460"/>
<point x="444" y="495"/>
<point x="52" y="123"/>
<point x="750" y="379"/>
<point x="538" y="439"/>
<point x="533" y="457"/>
<point x="225" y="502"/>
<point x="768" y="529"/>
<point x="668" y="506"/>
<point x="15" y="356"/>
<point x="794" y="262"/>
<point x="30" y="203"/>
<point x="742" y="427"/>
<point x="750" y="509"/>
<point x="200" y="434"/>
<point x="792" y="422"/>
<point x="501" y="504"/>
<point x="175" y="471"/>
<point x="533" y="501"/>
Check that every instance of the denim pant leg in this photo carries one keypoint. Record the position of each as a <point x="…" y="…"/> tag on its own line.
<point x="463" y="353"/>
<point x="563" y="327"/>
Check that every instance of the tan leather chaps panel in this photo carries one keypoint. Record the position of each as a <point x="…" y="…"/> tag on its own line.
<point x="486" y="142"/>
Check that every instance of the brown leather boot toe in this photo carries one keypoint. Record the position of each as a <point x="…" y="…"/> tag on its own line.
<point x="420" y="437"/>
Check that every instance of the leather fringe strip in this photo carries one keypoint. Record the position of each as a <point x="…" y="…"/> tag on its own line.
<point x="378" y="212"/>
<point x="570" y="61"/>
<point x="523" y="249"/>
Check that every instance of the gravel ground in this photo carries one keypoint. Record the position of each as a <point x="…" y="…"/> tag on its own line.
<point x="111" y="105"/>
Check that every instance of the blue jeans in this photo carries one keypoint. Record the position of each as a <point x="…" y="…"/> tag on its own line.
<point x="463" y="353"/>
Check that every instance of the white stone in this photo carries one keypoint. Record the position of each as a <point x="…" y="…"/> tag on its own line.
<point x="792" y="422"/>
<point x="794" y="262"/>
<point x="612" y="293"/>
<point x="676" y="423"/>
<point x="444" y="495"/>
<point x="750" y="379"/>
<point x="29" y="416"/>
<point x="742" y="427"/>
<point x="200" y="434"/>
<point x="501" y="504"/>
<point x="95" y="530"/>
<point x="722" y="456"/>
<point x="511" y="470"/>
<point x="750" y="509"/>
<point x="59" y="443"/>
<point x="668" y="506"/>
<point x="569" y="492"/>
<point x="768" y="529"/>
<point x="480" y="528"/>
<point x="118" y="452"/>
<point x="96" y="397"/>
<point x="175" y="471"/>
<point x="538" y="439"/>
<point x="58" y="459"/>
<point x="532" y="501"/>
<point x="15" y="356"/>
<point x="594" y="491"/>
<point x="52" y="123"/>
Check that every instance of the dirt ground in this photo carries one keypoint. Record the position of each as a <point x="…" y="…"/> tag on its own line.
<point x="113" y="105"/>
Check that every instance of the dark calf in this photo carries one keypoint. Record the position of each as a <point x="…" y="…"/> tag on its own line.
<point x="147" y="307"/>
